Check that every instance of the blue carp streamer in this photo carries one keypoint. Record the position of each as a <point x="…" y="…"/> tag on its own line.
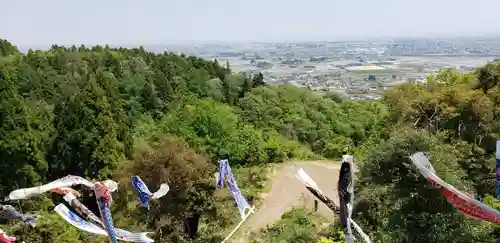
<point x="107" y="219"/>
<point x="104" y="201"/>
<point x="225" y="170"/>
<point x="498" y="168"/>
<point x="144" y="193"/>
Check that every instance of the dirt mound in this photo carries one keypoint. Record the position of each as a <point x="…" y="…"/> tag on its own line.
<point x="286" y="192"/>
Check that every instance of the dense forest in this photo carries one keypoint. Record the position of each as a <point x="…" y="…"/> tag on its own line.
<point x="102" y="112"/>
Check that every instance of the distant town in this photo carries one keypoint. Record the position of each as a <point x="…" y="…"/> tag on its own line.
<point x="356" y="69"/>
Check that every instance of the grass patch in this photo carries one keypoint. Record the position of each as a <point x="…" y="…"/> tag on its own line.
<point x="298" y="226"/>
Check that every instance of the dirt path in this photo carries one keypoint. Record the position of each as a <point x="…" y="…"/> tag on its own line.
<point x="286" y="192"/>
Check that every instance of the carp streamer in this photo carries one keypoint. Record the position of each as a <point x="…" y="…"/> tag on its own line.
<point x="241" y="202"/>
<point x="344" y="187"/>
<point x="104" y="200"/>
<point x="466" y="204"/>
<point x="95" y="226"/>
<point x="65" y="190"/>
<point x="145" y="194"/>
<point x="4" y="238"/>
<point x="498" y="168"/>
<point x="67" y="181"/>
<point x="310" y="184"/>
<point x="346" y="202"/>
<point x="10" y="213"/>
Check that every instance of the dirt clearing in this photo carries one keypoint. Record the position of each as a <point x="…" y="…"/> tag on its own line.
<point x="286" y="192"/>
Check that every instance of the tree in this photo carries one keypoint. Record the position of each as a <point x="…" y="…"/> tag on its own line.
<point x="488" y="76"/>
<point x="334" y="97"/>
<point x="102" y="111"/>
<point x="189" y="175"/>
<point x="91" y="133"/>
<point x="6" y="48"/>
<point x="258" y="80"/>
<point x="25" y="131"/>
<point x="395" y="199"/>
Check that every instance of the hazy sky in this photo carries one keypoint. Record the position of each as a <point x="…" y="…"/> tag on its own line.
<point x="37" y="22"/>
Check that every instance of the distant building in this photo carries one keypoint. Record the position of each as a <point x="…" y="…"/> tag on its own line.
<point x="414" y="80"/>
<point x="354" y="64"/>
<point x="318" y="59"/>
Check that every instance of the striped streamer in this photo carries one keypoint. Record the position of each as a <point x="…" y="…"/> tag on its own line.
<point x="466" y="204"/>
<point x="225" y="170"/>
<point x="498" y="168"/>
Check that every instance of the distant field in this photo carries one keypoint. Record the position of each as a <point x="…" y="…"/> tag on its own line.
<point x="365" y="68"/>
<point x="394" y="67"/>
<point x="361" y="73"/>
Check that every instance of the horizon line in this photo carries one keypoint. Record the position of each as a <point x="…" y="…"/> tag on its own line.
<point x="310" y="40"/>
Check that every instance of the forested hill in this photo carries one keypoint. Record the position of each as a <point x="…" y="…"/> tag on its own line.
<point x="103" y="112"/>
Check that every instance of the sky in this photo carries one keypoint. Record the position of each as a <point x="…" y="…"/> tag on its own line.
<point x="36" y="22"/>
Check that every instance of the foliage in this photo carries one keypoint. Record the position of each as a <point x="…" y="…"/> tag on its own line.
<point x="6" y="48"/>
<point x="455" y="121"/>
<point x="50" y="227"/>
<point x="189" y="176"/>
<point x="327" y="127"/>
<point x="216" y="130"/>
<point x="297" y="225"/>
<point x="394" y="197"/>
<point x="103" y="112"/>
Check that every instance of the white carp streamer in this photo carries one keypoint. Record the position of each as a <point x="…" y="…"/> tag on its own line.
<point x="81" y="224"/>
<point x="90" y="217"/>
<point x="67" y="181"/>
<point x="466" y="204"/>
<point x="307" y="180"/>
<point x="360" y="232"/>
<point x="65" y="190"/>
